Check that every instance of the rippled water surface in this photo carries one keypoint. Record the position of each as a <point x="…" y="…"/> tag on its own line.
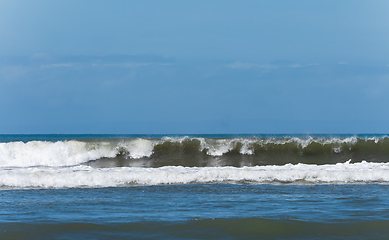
<point x="202" y="210"/>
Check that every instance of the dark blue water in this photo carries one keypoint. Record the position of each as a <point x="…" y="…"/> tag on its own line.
<point x="327" y="211"/>
<point x="188" y="202"/>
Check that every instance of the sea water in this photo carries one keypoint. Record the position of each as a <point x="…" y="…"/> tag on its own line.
<point x="194" y="187"/>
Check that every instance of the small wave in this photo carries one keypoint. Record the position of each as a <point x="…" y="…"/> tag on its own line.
<point x="85" y="176"/>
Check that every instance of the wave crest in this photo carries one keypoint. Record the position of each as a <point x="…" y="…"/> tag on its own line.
<point x="198" y="151"/>
<point x="40" y="153"/>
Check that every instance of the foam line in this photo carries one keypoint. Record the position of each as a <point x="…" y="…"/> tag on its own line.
<point x="84" y="176"/>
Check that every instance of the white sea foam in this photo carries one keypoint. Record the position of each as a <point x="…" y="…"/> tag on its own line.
<point x="139" y="148"/>
<point x="216" y="147"/>
<point x="40" y="153"/>
<point x="305" y="142"/>
<point x="375" y="139"/>
<point x="247" y="146"/>
<point x="84" y="176"/>
<point x="67" y="153"/>
<point x="219" y="147"/>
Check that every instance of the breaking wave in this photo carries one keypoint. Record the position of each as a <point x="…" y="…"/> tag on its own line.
<point x="185" y="160"/>
<point x="193" y="152"/>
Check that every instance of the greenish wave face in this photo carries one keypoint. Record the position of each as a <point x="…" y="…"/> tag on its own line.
<point x="194" y="151"/>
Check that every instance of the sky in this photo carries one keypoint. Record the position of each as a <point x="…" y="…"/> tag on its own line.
<point x="193" y="67"/>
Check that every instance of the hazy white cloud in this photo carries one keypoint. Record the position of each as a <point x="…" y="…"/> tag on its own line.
<point x="297" y="65"/>
<point x="343" y="63"/>
<point x="39" y="56"/>
<point x="57" y="65"/>
<point x="9" y="73"/>
<point x="243" y="65"/>
<point x="130" y="64"/>
<point x="126" y="64"/>
<point x="119" y="65"/>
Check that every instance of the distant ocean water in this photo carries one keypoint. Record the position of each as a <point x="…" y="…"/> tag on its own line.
<point x="194" y="186"/>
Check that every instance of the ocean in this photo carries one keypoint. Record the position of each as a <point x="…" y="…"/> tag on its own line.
<point x="248" y="186"/>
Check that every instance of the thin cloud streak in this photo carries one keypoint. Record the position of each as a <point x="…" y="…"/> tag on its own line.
<point x="58" y="65"/>
<point x="297" y="65"/>
<point x="245" y="65"/>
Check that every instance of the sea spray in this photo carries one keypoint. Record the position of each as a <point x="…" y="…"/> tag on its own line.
<point x="193" y="151"/>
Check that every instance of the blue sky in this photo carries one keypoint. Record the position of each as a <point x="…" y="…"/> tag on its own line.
<point x="194" y="66"/>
